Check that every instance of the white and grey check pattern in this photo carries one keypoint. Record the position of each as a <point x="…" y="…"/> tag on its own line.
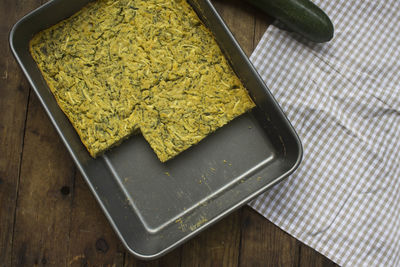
<point x="343" y="98"/>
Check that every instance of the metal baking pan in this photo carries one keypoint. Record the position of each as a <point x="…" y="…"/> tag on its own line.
<point x="153" y="206"/>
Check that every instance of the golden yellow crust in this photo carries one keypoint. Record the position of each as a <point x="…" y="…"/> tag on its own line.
<point x="119" y="66"/>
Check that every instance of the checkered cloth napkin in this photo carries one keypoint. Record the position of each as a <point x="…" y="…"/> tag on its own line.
<point x="343" y="98"/>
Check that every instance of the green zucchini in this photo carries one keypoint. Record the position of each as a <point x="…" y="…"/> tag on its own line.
<point x="301" y="16"/>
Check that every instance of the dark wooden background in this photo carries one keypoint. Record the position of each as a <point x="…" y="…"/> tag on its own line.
<point x="47" y="213"/>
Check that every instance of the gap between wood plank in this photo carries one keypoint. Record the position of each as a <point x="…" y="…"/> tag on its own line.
<point x="19" y="176"/>
<point x="71" y="211"/>
<point x="19" y="168"/>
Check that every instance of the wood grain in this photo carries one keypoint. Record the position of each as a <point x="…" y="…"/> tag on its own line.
<point x="42" y="219"/>
<point x="92" y="242"/>
<point x="309" y="257"/>
<point x="218" y="246"/>
<point x="263" y="244"/>
<point x="48" y="215"/>
<point x="14" y="92"/>
<point x="243" y="28"/>
<point x="172" y="259"/>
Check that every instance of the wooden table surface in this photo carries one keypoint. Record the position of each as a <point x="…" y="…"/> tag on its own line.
<point x="48" y="216"/>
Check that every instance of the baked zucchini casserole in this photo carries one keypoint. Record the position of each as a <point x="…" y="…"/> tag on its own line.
<point x="123" y="67"/>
